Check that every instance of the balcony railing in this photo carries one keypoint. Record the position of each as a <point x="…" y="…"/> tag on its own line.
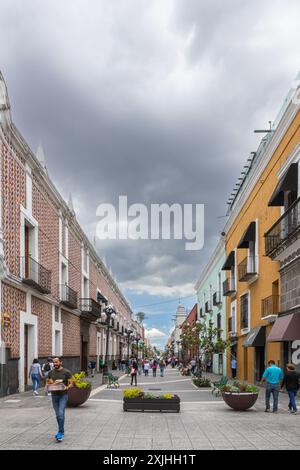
<point x="90" y="309"/>
<point x="247" y="268"/>
<point x="270" y="306"/>
<point x="217" y="300"/>
<point x="68" y="296"/>
<point x="35" y="275"/>
<point x="286" y="227"/>
<point x="228" y="287"/>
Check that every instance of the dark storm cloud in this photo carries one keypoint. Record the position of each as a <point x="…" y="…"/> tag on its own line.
<point x="155" y="100"/>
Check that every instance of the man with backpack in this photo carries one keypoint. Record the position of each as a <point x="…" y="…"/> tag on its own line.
<point x="47" y="367"/>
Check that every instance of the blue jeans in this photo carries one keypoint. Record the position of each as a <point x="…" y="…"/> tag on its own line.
<point x="35" y="382"/>
<point x="59" y="403"/>
<point x="292" y="397"/>
<point x="162" y="370"/>
<point x="272" y="389"/>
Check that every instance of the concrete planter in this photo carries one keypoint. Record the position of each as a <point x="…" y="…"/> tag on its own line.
<point x="153" y="404"/>
<point x="78" y="396"/>
<point x="240" y="401"/>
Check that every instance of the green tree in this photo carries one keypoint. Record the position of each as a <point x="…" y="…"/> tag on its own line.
<point x="140" y="316"/>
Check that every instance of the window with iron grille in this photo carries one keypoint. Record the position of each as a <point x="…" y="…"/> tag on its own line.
<point x="244" y="312"/>
<point x="219" y="324"/>
<point x="56" y="314"/>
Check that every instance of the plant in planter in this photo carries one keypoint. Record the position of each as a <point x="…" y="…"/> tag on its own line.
<point x="239" y="396"/>
<point x="137" y="399"/>
<point x="201" y="382"/>
<point x="80" y="391"/>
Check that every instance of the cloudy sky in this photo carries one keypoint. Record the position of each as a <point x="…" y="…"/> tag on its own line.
<point x="153" y="99"/>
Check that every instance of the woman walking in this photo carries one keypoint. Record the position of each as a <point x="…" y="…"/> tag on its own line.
<point x="162" y="366"/>
<point x="154" y="367"/>
<point x="133" y="373"/>
<point x="35" y="373"/>
<point x="146" y="367"/>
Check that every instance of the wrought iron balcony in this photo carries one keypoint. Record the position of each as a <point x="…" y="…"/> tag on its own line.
<point x="247" y="269"/>
<point x="270" y="306"/>
<point x="35" y="275"/>
<point x="68" y="296"/>
<point x="228" y="287"/>
<point x="90" y="309"/>
<point x="217" y="300"/>
<point x="284" y="231"/>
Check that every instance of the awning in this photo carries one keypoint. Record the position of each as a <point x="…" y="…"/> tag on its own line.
<point x="249" y="236"/>
<point x="286" y="328"/>
<point x="229" y="263"/>
<point x="289" y="182"/>
<point x="256" y="337"/>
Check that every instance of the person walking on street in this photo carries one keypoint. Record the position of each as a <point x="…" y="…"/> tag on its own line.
<point x="92" y="367"/>
<point x="162" y="366"/>
<point x="47" y="367"/>
<point x="272" y="376"/>
<point x="291" y="381"/>
<point x="193" y="365"/>
<point x="60" y="376"/>
<point x="233" y="367"/>
<point x="133" y="373"/>
<point x="146" y="367"/>
<point x="154" y="367"/>
<point x="35" y="373"/>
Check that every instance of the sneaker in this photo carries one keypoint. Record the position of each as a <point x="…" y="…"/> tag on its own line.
<point x="293" y="412"/>
<point x="275" y="411"/>
<point x="35" y="393"/>
<point x="267" y="410"/>
<point x="59" y="437"/>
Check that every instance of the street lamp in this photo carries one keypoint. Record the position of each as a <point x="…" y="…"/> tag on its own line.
<point x="107" y="315"/>
<point x="178" y="343"/>
<point x="137" y="340"/>
<point x="129" y="334"/>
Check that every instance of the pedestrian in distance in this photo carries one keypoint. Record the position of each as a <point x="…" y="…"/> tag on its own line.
<point x="47" y="367"/>
<point x="233" y="367"/>
<point x="291" y="381"/>
<point x="61" y="378"/>
<point x="133" y="373"/>
<point x="35" y="374"/>
<point x="272" y="376"/>
<point x="92" y="367"/>
<point x="193" y="365"/>
<point x="146" y="368"/>
<point x="154" y="367"/>
<point x="162" y="366"/>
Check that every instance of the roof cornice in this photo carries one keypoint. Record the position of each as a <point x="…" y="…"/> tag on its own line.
<point x="283" y="125"/>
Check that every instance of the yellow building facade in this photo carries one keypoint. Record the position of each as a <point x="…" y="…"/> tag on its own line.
<point x="252" y="287"/>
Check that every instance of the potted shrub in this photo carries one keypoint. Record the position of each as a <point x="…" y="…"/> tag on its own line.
<point x="201" y="382"/>
<point x="136" y="399"/>
<point x="239" y="396"/>
<point x="81" y="390"/>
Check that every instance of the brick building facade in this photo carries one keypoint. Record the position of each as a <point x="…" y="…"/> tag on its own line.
<point x="53" y="285"/>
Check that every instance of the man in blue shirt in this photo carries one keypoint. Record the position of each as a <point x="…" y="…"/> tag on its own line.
<point x="272" y="376"/>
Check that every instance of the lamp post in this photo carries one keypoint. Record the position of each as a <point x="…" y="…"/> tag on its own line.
<point x="129" y="335"/>
<point x="137" y="340"/>
<point x="178" y="343"/>
<point x="107" y="315"/>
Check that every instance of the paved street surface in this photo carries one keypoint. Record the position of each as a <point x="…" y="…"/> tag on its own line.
<point x="204" y="422"/>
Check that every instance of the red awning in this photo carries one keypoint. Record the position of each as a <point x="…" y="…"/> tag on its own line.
<point x="286" y="328"/>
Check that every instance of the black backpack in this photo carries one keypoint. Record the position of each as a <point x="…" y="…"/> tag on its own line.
<point x="47" y="367"/>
